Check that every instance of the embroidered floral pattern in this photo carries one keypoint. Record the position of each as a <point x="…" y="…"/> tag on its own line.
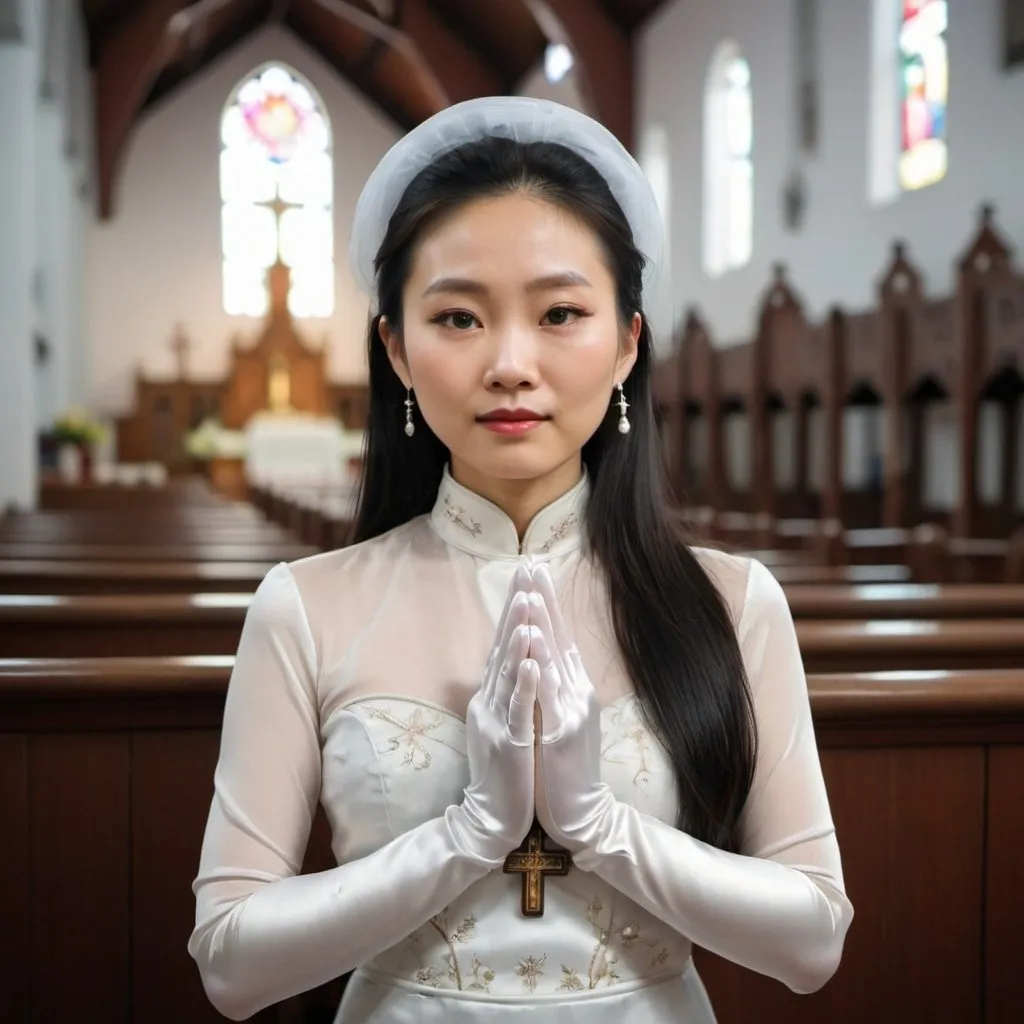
<point x="530" y="968"/>
<point x="414" y="733"/>
<point x="453" y="938"/>
<point x="560" y="531"/>
<point x="639" y="736"/>
<point x="570" y="980"/>
<point x="460" y="517"/>
<point x="482" y="976"/>
<point x="430" y="976"/>
<point x="630" y="937"/>
<point x="631" y="728"/>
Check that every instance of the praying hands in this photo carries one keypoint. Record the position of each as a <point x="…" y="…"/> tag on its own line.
<point x="515" y="768"/>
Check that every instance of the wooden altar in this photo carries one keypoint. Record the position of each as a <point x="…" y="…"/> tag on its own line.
<point x="281" y="372"/>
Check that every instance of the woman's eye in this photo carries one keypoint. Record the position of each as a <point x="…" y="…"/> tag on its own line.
<point x="459" y="320"/>
<point x="561" y="315"/>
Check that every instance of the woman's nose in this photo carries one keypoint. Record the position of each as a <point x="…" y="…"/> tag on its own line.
<point x="513" y="362"/>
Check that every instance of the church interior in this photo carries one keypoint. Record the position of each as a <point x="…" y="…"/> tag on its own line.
<point x="839" y="389"/>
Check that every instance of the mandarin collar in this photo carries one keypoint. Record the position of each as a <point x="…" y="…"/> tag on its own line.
<point x="465" y="520"/>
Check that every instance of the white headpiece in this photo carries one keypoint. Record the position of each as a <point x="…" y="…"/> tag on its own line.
<point x="513" y="117"/>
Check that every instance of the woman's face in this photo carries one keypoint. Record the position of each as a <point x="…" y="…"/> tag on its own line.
<point x="511" y="339"/>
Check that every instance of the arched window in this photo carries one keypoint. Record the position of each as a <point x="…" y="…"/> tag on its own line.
<point x="728" y="162"/>
<point x="924" y="91"/>
<point x="909" y="92"/>
<point x="276" y="182"/>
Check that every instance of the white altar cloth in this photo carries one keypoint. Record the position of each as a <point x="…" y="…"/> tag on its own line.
<point x="298" y="449"/>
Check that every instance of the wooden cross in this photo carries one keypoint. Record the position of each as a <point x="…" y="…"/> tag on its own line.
<point x="180" y="346"/>
<point x="533" y="862"/>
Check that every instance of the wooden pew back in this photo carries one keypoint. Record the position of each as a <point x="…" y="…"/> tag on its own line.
<point x="107" y="769"/>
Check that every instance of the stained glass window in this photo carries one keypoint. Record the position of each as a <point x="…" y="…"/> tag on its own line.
<point x="924" y="83"/>
<point x="276" y="182"/>
<point x="728" y="163"/>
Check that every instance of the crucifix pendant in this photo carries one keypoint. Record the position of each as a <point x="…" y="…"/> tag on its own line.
<point x="533" y="861"/>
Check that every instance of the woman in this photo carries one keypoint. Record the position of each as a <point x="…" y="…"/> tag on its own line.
<point x="519" y="633"/>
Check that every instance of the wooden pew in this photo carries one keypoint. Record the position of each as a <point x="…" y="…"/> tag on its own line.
<point x="809" y="575"/>
<point x="885" y="627"/>
<point x="321" y="516"/>
<point x="24" y="576"/>
<point x="120" y="625"/>
<point x="157" y="552"/>
<point x="932" y="555"/>
<point x="182" y="492"/>
<point x="910" y="644"/>
<point x="906" y="601"/>
<point x="106" y="772"/>
<point x="180" y="548"/>
<point x="127" y="528"/>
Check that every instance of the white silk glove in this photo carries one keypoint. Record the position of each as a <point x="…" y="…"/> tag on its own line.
<point x="498" y="808"/>
<point x="784" y="920"/>
<point x="573" y="805"/>
<point x="263" y="932"/>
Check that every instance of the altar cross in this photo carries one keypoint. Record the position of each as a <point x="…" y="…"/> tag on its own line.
<point x="534" y="862"/>
<point x="180" y="346"/>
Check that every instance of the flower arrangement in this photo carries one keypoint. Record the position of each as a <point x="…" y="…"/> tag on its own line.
<point x="77" y="427"/>
<point x="212" y="441"/>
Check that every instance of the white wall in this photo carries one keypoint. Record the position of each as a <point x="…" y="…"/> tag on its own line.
<point x="63" y="149"/>
<point x="844" y="243"/>
<point x="567" y="91"/>
<point x="157" y="262"/>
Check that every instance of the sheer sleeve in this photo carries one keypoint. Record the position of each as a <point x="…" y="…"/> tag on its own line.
<point x="779" y="906"/>
<point x="787" y="817"/>
<point x="263" y="932"/>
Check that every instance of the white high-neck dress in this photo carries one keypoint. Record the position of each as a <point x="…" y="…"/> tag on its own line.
<point x="350" y="685"/>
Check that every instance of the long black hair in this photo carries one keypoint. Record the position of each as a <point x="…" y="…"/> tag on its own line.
<point x="672" y="625"/>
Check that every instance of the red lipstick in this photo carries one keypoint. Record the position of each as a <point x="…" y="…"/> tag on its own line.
<point x="511" y="422"/>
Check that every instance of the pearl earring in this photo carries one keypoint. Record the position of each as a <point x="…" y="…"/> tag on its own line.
<point x="623" y="406"/>
<point x="410" y="427"/>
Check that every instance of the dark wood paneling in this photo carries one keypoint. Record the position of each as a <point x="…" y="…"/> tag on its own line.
<point x="79" y="878"/>
<point x="14" y="870"/>
<point x="904" y="760"/>
<point x="105" y="640"/>
<point x="1004" y="904"/>
<point x="892" y="808"/>
<point x="172" y="783"/>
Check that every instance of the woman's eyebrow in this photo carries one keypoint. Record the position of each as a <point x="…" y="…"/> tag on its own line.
<point x="467" y="286"/>
<point x="565" y="279"/>
<point x="462" y="285"/>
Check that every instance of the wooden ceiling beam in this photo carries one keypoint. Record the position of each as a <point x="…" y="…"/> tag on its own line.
<point x="129" y="60"/>
<point x="102" y="24"/>
<point x="177" y="72"/>
<point x="303" y="22"/>
<point x="604" y="62"/>
<point x="462" y="72"/>
<point x="428" y="83"/>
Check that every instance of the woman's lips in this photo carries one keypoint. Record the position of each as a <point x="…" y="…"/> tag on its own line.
<point x="512" y="428"/>
<point x="512" y="422"/>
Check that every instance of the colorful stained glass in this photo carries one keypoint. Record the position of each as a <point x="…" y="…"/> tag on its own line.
<point x="276" y="178"/>
<point x="276" y="108"/>
<point x="924" y="81"/>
